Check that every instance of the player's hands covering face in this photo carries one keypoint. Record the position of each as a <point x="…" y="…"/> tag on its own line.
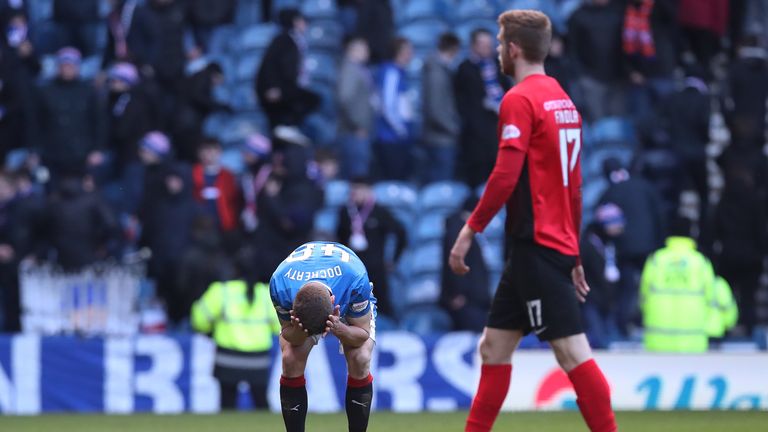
<point x="334" y="324"/>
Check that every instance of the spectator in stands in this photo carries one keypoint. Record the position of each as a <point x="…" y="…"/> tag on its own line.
<point x="78" y="24"/>
<point x="349" y="11"/>
<point x="68" y="121"/>
<point x="78" y="225"/>
<point x="393" y="141"/>
<point x="119" y="21"/>
<point x="376" y="24"/>
<point x="746" y="94"/>
<point x="9" y="258"/>
<point x="685" y="115"/>
<point x="18" y="49"/>
<point x="215" y="189"/>
<point x="648" y="43"/>
<point x="281" y="81"/>
<point x="466" y="298"/>
<point x="355" y="92"/>
<point x="202" y="263"/>
<point x="156" y="40"/>
<point x="12" y="112"/>
<point x="205" y="15"/>
<point x="257" y="151"/>
<point x="560" y="66"/>
<point x="287" y="206"/>
<point x="195" y="104"/>
<point x="703" y="24"/>
<point x="440" y="116"/>
<point x="365" y="227"/>
<point x="28" y="212"/>
<point x="644" y="233"/>
<point x="598" y="255"/>
<point x="595" y="45"/>
<point x="132" y="113"/>
<point x="740" y="229"/>
<point x="479" y="88"/>
<point x="167" y="212"/>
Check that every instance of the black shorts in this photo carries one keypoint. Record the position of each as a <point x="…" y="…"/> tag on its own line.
<point x="536" y="293"/>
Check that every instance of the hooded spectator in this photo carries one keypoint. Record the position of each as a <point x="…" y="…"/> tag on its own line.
<point x="740" y="228"/>
<point x="393" y="141"/>
<point x="595" y="45"/>
<point x="598" y="256"/>
<point x="644" y="232"/>
<point x="215" y="187"/>
<point x="79" y="226"/>
<point x="479" y="89"/>
<point x="132" y="113"/>
<point x="68" y="123"/>
<point x="441" y="119"/>
<point x="747" y="94"/>
<point x="282" y="81"/>
<point x="466" y="298"/>
<point x="365" y="227"/>
<point x="355" y="92"/>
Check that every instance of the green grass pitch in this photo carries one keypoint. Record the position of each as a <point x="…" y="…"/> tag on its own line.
<point x="389" y="422"/>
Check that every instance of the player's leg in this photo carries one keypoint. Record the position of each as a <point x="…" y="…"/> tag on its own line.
<point x="506" y="324"/>
<point x="496" y="347"/>
<point x="293" y="390"/>
<point x="593" y="395"/>
<point x="359" y="386"/>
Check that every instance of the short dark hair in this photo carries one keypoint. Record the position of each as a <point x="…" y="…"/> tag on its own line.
<point x="398" y="44"/>
<point x="286" y="17"/>
<point x="476" y="33"/>
<point x="209" y="142"/>
<point x="312" y="306"/>
<point x="448" y="41"/>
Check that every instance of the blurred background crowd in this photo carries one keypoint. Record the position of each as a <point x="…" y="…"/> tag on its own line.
<point x="218" y="135"/>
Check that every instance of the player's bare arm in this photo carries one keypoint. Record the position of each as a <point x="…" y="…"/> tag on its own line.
<point x="293" y="332"/>
<point x="459" y="251"/>
<point x="580" y="282"/>
<point x="354" y="334"/>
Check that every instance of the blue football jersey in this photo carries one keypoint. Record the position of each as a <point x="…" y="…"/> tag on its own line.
<point x="330" y="263"/>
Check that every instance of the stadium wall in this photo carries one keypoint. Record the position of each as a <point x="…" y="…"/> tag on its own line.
<point x="165" y="374"/>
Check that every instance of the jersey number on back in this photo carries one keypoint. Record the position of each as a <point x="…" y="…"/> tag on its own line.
<point x="309" y="249"/>
<point x="570" y="139"/>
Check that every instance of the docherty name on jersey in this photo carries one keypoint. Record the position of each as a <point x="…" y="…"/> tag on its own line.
<point x="329" y="273"/>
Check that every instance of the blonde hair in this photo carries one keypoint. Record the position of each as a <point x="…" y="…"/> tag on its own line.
<point x="528" y="29"/>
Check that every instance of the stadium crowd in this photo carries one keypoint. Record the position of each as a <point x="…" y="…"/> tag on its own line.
<point x="219" y="141"/>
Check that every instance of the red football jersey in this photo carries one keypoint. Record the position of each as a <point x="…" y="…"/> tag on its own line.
<point x="539" y="119"/>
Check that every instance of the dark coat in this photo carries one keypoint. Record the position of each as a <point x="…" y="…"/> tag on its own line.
<point x="592" y="249"/>
<point x="156" y="38"/>
<point x="594" y="37"/>
<point x="379" y="226"/>
<point x="280" y="69"/>
<point x="131" y="115"/>
<point x="376" y="24"/>
<point x="67" y="123"/>
<point x="644" y="213"/>
<point x="685" y="115"/>
<point x="211" y="12"/>
<point x="80" y="11"/>
<point x="79" y="226"/>
<point x="478" y="140"/>
<point x="665" y="32"/>
<point x="745" y="105"/>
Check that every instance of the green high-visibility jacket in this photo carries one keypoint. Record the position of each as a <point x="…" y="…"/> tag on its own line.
<point x="676" y="296"/>
<point x="725" y="312"/>
<point x="235" y="323"/>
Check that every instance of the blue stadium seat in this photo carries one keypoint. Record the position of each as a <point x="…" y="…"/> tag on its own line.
<point x="215" y="123"/>
<point x="471" y="9"/>
<point x="591" y="193"/>
<point x="336" y="193"/>
<point x="248" y="12"/>
<point x="416" y="10"/>
<point x="232" y="159"/>
<point x="495" y="229"/>
<point x="40" y="10"/>
<point x="238" y="127"/>
<point x="592" y="161"/>
<point x="325" y="35"/>
<point x="282" y="4"/>
<point x="322" y="68"/>
<point x="247" y="66"/>
<point x="445" y="196"/>
<point x="426" y="320"/>
<point x="431" y="227"/>
<point x="423" y="34"/>
<point x="222" y="40"/>
<point x="611" y="130"/>
<point x="395" y="194"/>
<point x="319" y="9"/>
<point x="426" y="258"/>
<point x="327" y="220"/>
<point x="493" y="252"/>
<point x="242" y="97"/>
<point x="465" y="28"/>
<point x="256" y="37"/>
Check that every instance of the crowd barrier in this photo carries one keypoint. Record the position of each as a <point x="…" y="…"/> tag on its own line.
<point x="172" y="374"/>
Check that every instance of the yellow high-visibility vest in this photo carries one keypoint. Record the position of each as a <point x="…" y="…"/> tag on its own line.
<point x="235" y="323"/>
<point x="676" y="296"/>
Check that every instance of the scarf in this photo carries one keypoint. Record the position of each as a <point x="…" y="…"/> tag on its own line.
<point x="637" y="37"/>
